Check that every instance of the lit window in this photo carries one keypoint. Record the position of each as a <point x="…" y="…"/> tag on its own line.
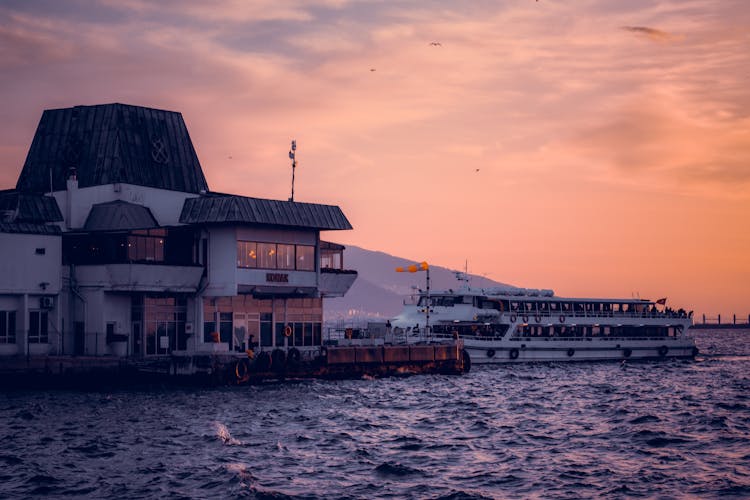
<point x="305" y="258"/>
<point x="247" y="254"/>
<point x="285" y="256"/>
<point x="267" y="255"/>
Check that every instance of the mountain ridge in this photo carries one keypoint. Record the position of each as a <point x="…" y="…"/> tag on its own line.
<point x="379" y="291"/>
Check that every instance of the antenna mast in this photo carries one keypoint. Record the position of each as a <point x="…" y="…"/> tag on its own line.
<point x="292" y="156"/>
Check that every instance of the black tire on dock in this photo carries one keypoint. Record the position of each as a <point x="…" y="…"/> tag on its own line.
<point x="262" y="362"/>
<point x="278" y="360"/>
<point x="513" y="354"/>
<point x="466" y="360"/>
<point x="293" y="357"/>
<point x="490" y="353"/>
<point x="627" y="352"/>
<point x="571" y="352"/>
<point x="663" y="350"/>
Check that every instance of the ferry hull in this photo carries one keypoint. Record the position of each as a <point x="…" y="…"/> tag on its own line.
<point x="514" y="351"/>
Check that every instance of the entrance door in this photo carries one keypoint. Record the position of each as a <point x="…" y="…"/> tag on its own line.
<point x="246" y="331"/>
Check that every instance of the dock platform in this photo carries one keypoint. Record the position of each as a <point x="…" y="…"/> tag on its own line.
<point x="211" y="369"/>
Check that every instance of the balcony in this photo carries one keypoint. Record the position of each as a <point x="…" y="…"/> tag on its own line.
<point x="336" y="282"/>
<point x="141" y="277"/>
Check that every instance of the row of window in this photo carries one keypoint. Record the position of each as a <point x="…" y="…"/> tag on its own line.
<point x="38" y="327"/>
<point x="7" y="327"/>
<point x="257" y="255"/>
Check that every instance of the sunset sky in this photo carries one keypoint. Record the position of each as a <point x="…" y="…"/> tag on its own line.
<point x="598" y="148"/>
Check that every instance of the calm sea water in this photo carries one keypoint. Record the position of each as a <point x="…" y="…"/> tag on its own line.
<point x="665" y="429"/>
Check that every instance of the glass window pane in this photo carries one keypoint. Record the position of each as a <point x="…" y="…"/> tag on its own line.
<point x="267" y="255"/>
<point x="12" y="327"/>
<point x="308" y="334"/>
<point x="305" y="258"/>
<point x="285" y="257"/>
<point x="298" y="334"/>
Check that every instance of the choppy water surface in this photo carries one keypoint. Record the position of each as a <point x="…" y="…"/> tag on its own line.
<point x="667" y="429"/>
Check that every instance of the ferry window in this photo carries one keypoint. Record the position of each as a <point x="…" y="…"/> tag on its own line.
<point x="285" y="256"/>
<point x="247" y="254"/>
<point x="7" y="327"/>
<point x="38" y="327"/>
<point x="305" y="258"/>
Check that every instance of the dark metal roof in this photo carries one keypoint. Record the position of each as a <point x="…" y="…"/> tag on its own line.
<point x="24" y="228"/>
<point x="214" y="209"/>
<point x="31" y="208"/>
<point x="119" y="216"/>
<point x="329" y="245"/>
<point x="110" y="143"/>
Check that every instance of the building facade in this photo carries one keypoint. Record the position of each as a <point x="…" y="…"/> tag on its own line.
<point x="112" y="244"/>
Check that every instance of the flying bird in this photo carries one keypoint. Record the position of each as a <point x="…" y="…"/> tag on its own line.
<point x="477" y="170"/>
<point x="436" y="44"/>
<point x="372" y="69"/>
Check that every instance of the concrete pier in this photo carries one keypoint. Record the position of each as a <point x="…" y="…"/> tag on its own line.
<point x="213" y="369"/>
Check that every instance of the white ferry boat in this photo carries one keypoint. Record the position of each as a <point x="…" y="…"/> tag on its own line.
<point x="502" y="325"/>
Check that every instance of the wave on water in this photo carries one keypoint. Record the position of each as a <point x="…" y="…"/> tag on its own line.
<point x="657" y="429"/>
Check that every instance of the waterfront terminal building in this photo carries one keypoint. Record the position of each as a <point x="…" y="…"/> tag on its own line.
<point x="112" y="244"/>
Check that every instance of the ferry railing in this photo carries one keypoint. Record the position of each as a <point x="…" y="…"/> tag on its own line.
<point x="600" y="314"/>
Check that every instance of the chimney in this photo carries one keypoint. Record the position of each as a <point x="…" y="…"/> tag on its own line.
<point x="72" y="186"/>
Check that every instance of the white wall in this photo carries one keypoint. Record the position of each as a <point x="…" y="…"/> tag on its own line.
<point x="277" y="235"/>
<point x="164" y="204"/>
<point x="222" y="262"/>
<point x="22" y="269"/>
<point x="223" y="273"/>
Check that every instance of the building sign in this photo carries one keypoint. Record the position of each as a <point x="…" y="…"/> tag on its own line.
<point x="277" y="278"/>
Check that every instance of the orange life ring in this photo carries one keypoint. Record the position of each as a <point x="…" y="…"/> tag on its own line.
<point x="287" y="331"/>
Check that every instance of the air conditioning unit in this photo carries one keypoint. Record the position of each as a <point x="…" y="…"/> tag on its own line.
<point x="46" y="302"/>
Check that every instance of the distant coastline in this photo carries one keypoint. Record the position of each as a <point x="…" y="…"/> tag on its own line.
<point x="721" y="326"/>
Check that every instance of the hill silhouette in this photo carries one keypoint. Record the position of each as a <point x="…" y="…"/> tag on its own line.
<point x="379" y="290"/>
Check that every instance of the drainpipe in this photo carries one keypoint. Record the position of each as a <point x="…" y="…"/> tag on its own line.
<point x="73" y="289"/>
<point x="72" y="186"/>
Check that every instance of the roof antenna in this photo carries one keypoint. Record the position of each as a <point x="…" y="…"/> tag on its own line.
<point x="292" y="154"/>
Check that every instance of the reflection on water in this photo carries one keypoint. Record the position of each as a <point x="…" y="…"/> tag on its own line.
<point x="673" y="428"/>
